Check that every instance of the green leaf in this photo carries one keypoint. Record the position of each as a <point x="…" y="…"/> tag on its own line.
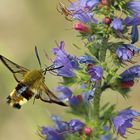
<point x="69" y="81"/>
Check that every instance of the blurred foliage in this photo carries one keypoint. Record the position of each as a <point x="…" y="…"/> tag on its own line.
<point x="24" y="24"/>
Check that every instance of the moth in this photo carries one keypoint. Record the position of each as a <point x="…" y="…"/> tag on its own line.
<point x="31" y="83"/>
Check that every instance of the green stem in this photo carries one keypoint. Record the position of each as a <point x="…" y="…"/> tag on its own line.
<point x="98" y="93"/>
<point x="96" y="114"/>
<point x="96" y="104"/>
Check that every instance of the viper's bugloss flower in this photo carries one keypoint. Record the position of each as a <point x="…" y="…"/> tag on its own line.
<point x="76" y="125"/>
<point x="76" y="100"/>
<point x="62" y="128"/>
<point x="126" y="51"/>
<point x="86" y="59"/>
<point x="84" y="17"/>
<point x="134" y="34"/>
<point x="51" y="134"/>
<point x="82" y="10"/>
<point x="65" y="92"/>
<point x="117" y="24"/>
<point x="133" y="20"/>
<point x="134" y="5"/>
<point x="89" y="95"/>
<point x="131" y="73"/>
<point x="83" y="5"/>
<point x="96" y="73"/>
<point x="123" y="120"/>
<point x="68" y="62"/>
<point x="127" y="78"/>
<point x="59" y="124"/>
<point x="82" y="28"/>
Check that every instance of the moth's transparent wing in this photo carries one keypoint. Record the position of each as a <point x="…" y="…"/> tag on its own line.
<point x="17" y="70"/>
<point x="51" y="97"/>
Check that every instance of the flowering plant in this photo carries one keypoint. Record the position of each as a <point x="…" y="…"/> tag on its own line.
<point x="109" y="29"/>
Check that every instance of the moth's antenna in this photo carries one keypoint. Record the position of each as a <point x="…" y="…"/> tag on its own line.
<point x="56" y="43"/>
<point x="47" y="56"/>
<point x="37" y="55"/>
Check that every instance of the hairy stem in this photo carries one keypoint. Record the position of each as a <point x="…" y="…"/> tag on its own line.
<point x="97" y="97"/>
<point x="99" y="90"/>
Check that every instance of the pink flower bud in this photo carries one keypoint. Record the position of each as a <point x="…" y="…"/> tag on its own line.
<point x="87" y="131"/>
<point x="82" y="28"/>
<point x="127" y="84"/>
<point x="89" y="66"/>
<point x="107" y="20"/>
<point x="80" y="98"/>
<point x="104" y="2"/>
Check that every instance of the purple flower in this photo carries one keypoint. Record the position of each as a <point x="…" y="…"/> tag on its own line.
<point x="127" y="78"/>
<point x="123" y="120"/>
<point x="68" y="62"/>
<point x="82" y="10"/>
<point x="51" y="133"/>
<point x="134" y="5"/>
<point x="96" y="73"/>
<point x="66" y="93"/>
<point x="126" y="51"/>
<point x="76" y="101"/>
<point x="59" y="125"/>
<point x="76" y="125"/>
<point x="89" y="95"/>
<point x="117" y="24"/>
<point x="134" y="34"/>
<point x="61" y="128"/>
<point x="84" y="17"/>
<point x="86" y="59"/>
<point x="82" y="5"/>
<point x="133" y="21"/>
<point x="130" y="74"/>
<point x="130" y="21"/>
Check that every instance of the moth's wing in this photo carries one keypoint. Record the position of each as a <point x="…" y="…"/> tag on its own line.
<point x="17" y="70"/>
<point x="47" y="91"/>
<point x="52" y="97"/>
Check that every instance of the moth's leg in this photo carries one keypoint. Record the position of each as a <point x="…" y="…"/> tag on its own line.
<point x="45" y="100"/>
<point x="15" y="77"/>
<point x="37" y="96"/>
<point x="53" y="101"/>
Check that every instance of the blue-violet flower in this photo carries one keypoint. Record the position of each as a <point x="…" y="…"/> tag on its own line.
<point x="126" y="51"/>
<point x="96" y="73"/>
<point x="124" y="120"/>
<point x="68" y="62"/>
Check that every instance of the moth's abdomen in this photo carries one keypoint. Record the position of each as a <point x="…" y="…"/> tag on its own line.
<point x="24" y="91"/>
<point x="19" y="96"/>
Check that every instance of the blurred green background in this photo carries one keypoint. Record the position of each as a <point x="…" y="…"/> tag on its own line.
<point x="24" y="24"/>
